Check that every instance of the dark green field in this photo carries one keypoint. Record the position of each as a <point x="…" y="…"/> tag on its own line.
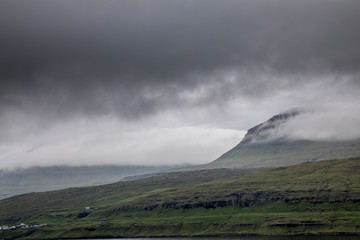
<point x="310" y="198"/>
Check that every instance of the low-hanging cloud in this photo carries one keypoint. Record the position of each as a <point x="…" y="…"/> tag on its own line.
<point x="86" y="142"/>
<point x="323" y="123"/>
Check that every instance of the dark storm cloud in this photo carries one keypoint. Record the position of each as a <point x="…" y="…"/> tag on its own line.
<point x="133" y="58"/>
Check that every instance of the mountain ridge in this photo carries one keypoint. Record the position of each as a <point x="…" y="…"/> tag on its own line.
<point x="262" y="148"/>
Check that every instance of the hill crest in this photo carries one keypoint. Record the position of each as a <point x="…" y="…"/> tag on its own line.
<point x="264" y="147"/>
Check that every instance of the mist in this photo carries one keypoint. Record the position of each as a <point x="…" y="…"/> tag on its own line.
<point x="334" y="122"/>
<point x="110" y="142"/>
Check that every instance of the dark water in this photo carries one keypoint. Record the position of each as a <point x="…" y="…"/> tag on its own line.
<point x="254" y="238"/>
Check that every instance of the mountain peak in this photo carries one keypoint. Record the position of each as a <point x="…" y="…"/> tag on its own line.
<point x="264" y="132"/>
<point x="267" y="146"/>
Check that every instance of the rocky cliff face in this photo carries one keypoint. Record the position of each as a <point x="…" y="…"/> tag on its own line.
<point x="246" y="198"/>
<point x="264" y="132"/>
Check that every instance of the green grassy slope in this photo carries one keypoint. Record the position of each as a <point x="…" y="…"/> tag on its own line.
<point x="330" y="180"/>
<point x="22" y="207"/>
<point x="277" y="154"/>
<point x="310" y="198"/>
<point x="286" y="153"/>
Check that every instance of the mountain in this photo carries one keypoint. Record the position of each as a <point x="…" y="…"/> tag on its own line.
<point x="237" y="195"/>
<point x="262" y="148"/>
<point x="39" y="179"/>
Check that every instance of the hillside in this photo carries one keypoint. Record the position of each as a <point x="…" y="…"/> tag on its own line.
<point x="39" y="179"/>
<point x="310" y="198"/>
<point x="25" y="205"/>
<point x="323" y="181"/>
<point x="261" y="148"/>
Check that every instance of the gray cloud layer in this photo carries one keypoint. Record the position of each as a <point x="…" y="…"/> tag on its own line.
<point x="62" y="60"/>
<point x="133" y="57"/>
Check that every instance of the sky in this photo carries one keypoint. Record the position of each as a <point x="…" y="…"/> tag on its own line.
<point x="150" y="82"/>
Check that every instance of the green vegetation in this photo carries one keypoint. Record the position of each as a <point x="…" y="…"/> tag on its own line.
<point x="22" y="207"/>
<point x="310" y="198"/>
<point x="277" y="153"/>
<point x="268" y="219"/>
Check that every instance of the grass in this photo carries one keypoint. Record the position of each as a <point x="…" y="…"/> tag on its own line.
<point x="275" y="154"/>
<point x="268" y="219"/>
<point x="26" y="206"/>
<point x="331" y="180"/>
<point x="309" y="198"/>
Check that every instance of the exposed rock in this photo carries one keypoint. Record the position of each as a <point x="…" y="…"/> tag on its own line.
<point x="246" y="199"/>
<point x="262" y="133"/>
<point x="83" y="214"/>
<point x="297" y="223"/>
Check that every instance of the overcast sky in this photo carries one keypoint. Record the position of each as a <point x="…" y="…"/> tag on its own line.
<point x="170" y="82"/>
